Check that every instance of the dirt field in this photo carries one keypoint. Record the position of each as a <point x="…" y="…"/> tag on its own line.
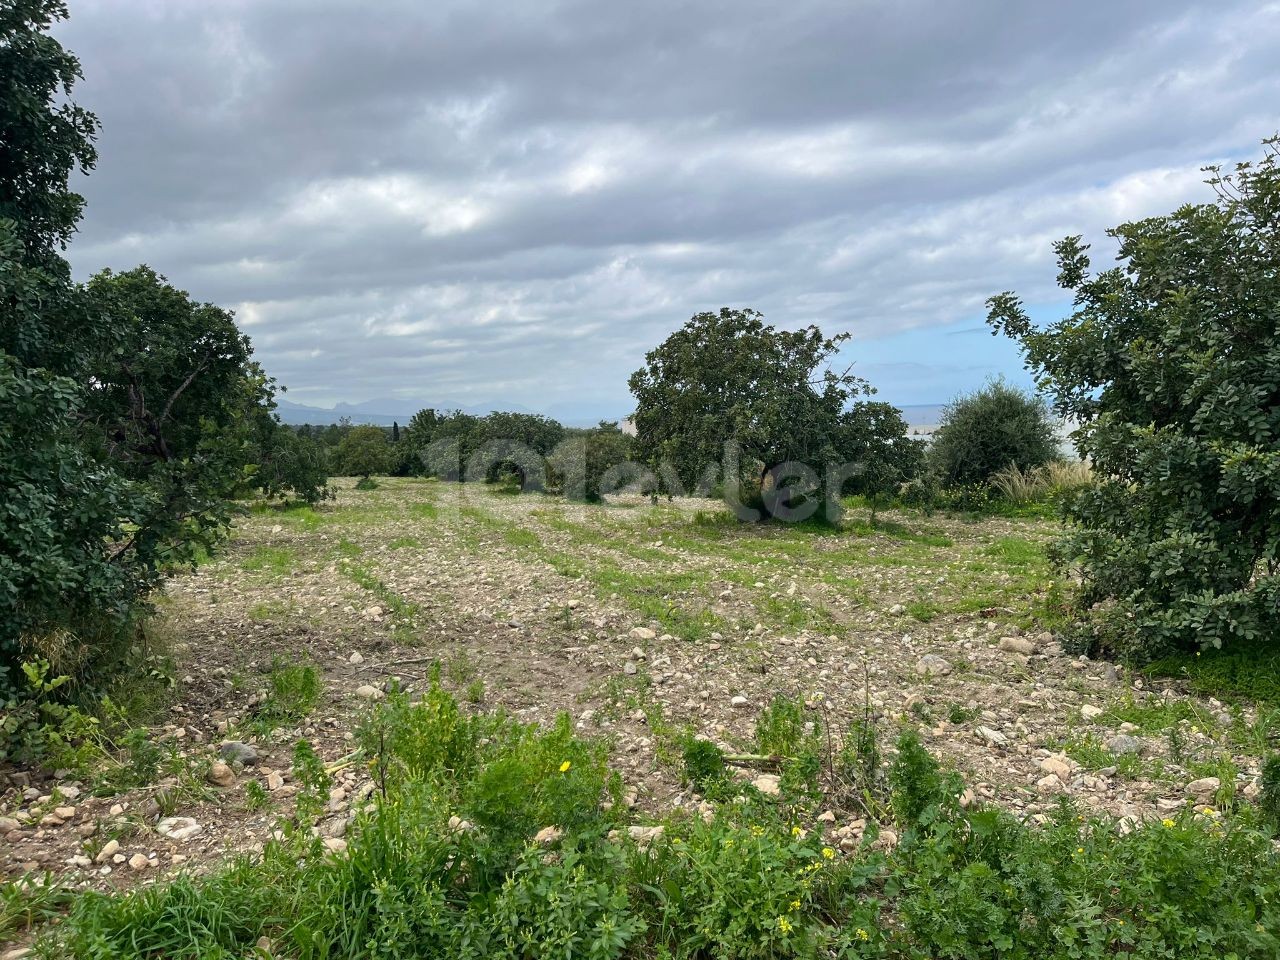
<point x="642" y="622"/>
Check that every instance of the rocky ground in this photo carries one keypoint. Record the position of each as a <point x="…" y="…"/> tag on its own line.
<point x="640" y="621"/>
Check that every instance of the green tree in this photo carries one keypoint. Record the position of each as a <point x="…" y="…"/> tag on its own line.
<point x="152" y="395"/>
<point x="594" y="462"/>
<point x="44" y="136"/>
<point x="68" y="560"/>
<point x="987" y="430"/>
<point x="289" y="462"/>
<point x="728" y="378"/>
<point x="1170" y="364"/>
<point x="872" y="437"/>
<point x="363" y="452"/>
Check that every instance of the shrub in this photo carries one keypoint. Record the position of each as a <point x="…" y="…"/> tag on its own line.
<point x="1176" y="543"/>
<point x="989" y="430"/>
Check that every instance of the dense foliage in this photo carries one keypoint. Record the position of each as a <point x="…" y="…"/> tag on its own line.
<point x="730" y="399"/>
<point x="132" y="414"/>
<point x="595" y="462"/>
<point x="988" y="431"/>
<point x="1170" y="364"/>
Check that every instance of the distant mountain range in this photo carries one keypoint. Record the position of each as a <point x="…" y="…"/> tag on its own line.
<point x="383" y="412"/>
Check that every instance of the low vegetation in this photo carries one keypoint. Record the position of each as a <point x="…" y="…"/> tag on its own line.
<point x="487" y="838"/>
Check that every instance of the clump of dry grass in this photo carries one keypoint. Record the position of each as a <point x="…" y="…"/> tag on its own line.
<point x="1041" y="483"/>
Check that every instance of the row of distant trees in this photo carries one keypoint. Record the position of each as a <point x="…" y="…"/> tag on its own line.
<point x="867" y="442"/>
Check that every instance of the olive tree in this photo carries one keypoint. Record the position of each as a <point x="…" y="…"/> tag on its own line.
<point x="1170" y="364"/>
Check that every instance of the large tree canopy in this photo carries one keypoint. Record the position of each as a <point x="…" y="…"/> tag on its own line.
<point x="1170" y="364"/>
<point x="729" y="378"/>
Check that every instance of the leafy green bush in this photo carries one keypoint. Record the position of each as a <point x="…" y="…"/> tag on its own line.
<point x="988" y="430"/>
<point x="1176" y="543"/>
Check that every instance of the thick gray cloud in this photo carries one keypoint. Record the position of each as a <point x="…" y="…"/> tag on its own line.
<point x="510" y="202"/>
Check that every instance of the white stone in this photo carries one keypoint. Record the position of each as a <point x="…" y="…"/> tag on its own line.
<point x="179" y="828"/>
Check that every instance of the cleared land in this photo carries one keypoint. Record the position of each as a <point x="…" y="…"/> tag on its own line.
<point x="642" y="622"/>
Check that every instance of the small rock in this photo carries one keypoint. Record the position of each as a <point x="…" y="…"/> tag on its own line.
<point x="8" y="825"/>
<point x="1204" y="789"/>
<point x="274" y="781"/>
<point x="109" y="850"/>
<point x="887" y="840"/>
<point x="1123" y="744"/>
<point x="139" y="861"/>
<point x="932" y="665"/>
<point x="356" y="657"/>
<point x="642" y="633"/>
<point x="740" y="702"/>
<point x="367" y="691"/>
<point x="221" y="774"/>
<point x="768" y="784"/>
<point x="630" y="668"/>
<point x="335" y="844"/>
<point x="1090" y="712"/>
<point x="548" y="835"/>
<point x="1056" y="765"/>
<point x="1017" y="645"/>
<point x="643" y="835"/>
<point x="993" y="737"/>
<point x="233" y="752"/>
<point x="179" y="828"/>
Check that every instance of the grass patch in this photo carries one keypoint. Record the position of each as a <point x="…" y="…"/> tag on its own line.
<point x="293" y="690"/>
<point x="273" y="561"/>
<point x="405" y="613"/>
<point x="1248" y="670"/>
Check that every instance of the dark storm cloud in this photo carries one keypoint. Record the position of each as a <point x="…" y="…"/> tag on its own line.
<point x="510" y="202"/>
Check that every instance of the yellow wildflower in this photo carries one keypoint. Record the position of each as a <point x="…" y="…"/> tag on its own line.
<point x="784" y="924"/>
<point x="795" y="904"/>
<point x="828" y="853"/>
<point x="1169" y="824"/>
<point x="861" y="934"/>
<point x="564" y="767"/>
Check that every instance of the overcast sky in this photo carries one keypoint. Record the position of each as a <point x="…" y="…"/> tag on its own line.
<point x="510" y="202"/>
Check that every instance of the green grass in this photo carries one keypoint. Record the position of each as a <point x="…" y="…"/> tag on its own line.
<point x="1248" y="671"/>
<point x="747" y="882"/>
<point x="273" y="561"/>
<point x="293" y="691"/>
